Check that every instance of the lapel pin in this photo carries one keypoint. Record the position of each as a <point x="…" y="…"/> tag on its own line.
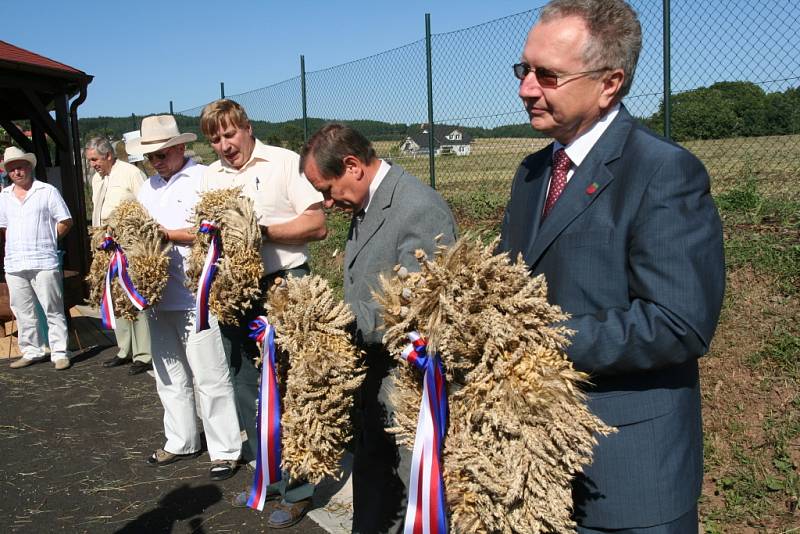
<point x="592" y="188"/>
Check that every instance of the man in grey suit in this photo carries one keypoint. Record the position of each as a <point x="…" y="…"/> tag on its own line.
<point x="394" y="214"/>
<point x="623" y="226"/>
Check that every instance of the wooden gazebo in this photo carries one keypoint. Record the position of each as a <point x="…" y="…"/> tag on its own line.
<point x="32" y="87"/>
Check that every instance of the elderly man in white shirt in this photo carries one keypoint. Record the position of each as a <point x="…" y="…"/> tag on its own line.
<point x="182" y="356"/>
<point x="34" y="217"/>
<point x="113" y="182"/>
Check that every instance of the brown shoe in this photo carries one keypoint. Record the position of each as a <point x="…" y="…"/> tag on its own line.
<point x="23" y="362"/>
<point x="62" y="363"/>
<point x="287" y="514"/>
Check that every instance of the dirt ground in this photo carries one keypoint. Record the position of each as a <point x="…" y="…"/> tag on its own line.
<point x="74" y="445"/>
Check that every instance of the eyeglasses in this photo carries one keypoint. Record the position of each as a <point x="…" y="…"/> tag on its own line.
<point x="160" y="156"/>
<point x="547" y="78"/>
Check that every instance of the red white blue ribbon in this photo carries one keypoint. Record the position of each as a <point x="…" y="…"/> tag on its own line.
<point x="427" y="509"/>
<point x="207" y="275"/>
<point x="117" y="267"/>
<point x="268" y="422"/>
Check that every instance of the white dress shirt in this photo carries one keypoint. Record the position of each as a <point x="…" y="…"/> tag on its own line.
<point x="30" y="223"/>
<point x="171" y="203"/>
<point x="272" y="179"/>
<point x="383" y="170"/>
<point x="580" y="147"/>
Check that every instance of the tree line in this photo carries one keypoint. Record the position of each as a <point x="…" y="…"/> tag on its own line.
<point x="722" y="110"/>
<point x="730" y="109"/>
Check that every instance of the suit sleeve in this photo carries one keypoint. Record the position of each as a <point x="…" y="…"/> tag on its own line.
<point x="675" y="276"/>
<point x="419" y="224"/>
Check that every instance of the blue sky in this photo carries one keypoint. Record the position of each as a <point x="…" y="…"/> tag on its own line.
<point x="144" y="54"/>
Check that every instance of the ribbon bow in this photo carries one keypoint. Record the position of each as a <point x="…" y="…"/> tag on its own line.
<point x="117" y="267"/>
<point x="268" y="422"/>
<point x="427" y="509"/>
<point x="207" y="275"/>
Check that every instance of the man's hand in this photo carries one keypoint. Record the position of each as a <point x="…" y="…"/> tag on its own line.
<point x="62" y="227"/>
<point x="180" y="235"/>
<point x="306" y="227"/>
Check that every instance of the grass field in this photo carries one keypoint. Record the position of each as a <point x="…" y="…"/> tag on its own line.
<point x="751" y="378"/>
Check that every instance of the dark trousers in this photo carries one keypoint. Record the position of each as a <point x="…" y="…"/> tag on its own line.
<point x="685" y="524"/>
<point x="380" y="468"/>
<point x="241" y="351"/>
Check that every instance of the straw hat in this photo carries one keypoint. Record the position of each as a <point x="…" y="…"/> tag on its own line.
<point x="13" y="153"/>
<point x="158" y="131"/>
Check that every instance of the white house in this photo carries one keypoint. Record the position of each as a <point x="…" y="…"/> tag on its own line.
<point x="446" y="140"/>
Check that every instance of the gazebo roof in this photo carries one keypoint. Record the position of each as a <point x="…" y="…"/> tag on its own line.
<point x="11" y="55"/>
<point x="22" y="69"/>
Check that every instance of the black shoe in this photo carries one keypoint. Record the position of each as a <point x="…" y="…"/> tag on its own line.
<point x="139" y="367"/>
<point x="116" y="362"/>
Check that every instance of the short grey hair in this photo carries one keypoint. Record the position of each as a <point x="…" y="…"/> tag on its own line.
<point x="102" y="145"/>
<point x="615" y="35"/>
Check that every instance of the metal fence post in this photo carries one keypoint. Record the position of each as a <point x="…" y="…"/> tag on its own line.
<point x="170" y="108"/>
<point x="431" y="148"/>
<point x="222" y="89"/>
<point x="303" y="95"/>
<point x="667" y="73"/>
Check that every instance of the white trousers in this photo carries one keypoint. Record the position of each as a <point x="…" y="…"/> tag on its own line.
<point x="182" y="358"/>
<point x="24" y="289"/>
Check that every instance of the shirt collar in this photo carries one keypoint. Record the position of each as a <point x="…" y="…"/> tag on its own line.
<point x="260" y="152"/>
<point x="189" y="163"/>
<point x="110" y="170"/>
<point x="36" y="185"/>
<point x="580" y="147"/>
<point x="383" y="170"/>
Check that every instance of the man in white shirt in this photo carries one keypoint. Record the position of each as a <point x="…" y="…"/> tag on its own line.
<point x="184" y="359"/>
<point x="290" y="215"/>
<point x="113" y="182"/>
<point x="34" y="217"/>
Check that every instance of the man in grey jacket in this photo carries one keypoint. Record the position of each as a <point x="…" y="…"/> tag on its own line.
<point x="394" y="214"/>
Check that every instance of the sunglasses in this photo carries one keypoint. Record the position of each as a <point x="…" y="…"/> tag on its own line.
<point x="547" y="78"/>
<point x="160" y="156"/>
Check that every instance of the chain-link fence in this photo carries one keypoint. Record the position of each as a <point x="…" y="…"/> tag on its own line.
<point x="735" y="78"/>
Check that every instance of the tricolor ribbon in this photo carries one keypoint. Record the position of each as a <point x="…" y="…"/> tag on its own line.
<point x="427" y="509"/>
<point x="268" y="421"/>
<point x="117" y="267"/>
<point x="207" y="275"/>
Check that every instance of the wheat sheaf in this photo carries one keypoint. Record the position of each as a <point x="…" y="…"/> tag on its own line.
<point x="236" y="285"/>
<point x="147" y="253"/>
<point x="519" y="428"/>
<point x="319" y="369"/>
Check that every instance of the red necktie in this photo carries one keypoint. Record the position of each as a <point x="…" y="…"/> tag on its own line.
<point x="558" y="180"/>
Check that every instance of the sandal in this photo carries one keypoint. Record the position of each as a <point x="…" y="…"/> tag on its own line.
<point x="287" y="514"/>
<point x="161" y="457"/>
<point x="222" y="469"/>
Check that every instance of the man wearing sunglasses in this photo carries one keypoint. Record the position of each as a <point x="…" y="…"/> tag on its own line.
<point x="184" y="360"/>
<point x="622" y="224"/>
